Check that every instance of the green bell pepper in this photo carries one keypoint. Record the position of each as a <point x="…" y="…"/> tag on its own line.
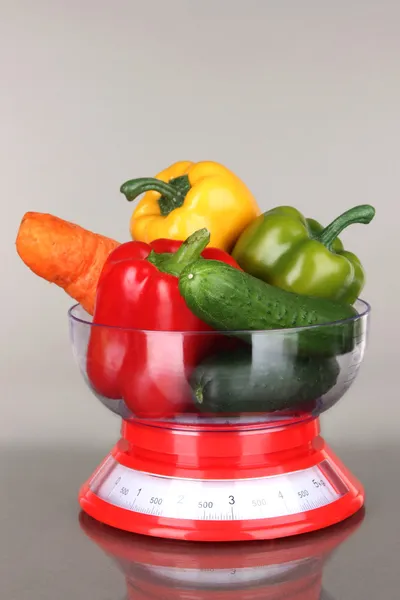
<point x="287" y="250"/>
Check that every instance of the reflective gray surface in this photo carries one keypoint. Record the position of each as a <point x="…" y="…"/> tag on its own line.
<point x="49" y="550"/>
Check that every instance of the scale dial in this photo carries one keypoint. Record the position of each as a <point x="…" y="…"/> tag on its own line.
<point x="217" y="500"/>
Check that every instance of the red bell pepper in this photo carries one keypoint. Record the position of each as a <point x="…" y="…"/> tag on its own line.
<point x="130" y="355"/>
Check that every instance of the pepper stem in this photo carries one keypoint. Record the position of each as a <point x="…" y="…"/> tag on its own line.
<point x="364" y="213"/>
<point x="187" y="253"/>
<point x="172" y="193"/>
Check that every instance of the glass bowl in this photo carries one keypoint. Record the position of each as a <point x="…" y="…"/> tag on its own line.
<point x="219" y="377"/>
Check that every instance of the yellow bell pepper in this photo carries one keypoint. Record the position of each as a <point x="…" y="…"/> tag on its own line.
<point x="188" y="196"/>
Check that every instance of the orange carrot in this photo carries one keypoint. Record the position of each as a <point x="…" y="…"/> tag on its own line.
<point x="65" y="254"/>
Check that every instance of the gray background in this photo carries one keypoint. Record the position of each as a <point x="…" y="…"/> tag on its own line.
<point x="300" y="98"/>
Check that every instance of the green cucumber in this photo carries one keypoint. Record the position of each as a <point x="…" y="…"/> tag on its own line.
<point x="240" y="382"/>
<point x="231" y="300"/>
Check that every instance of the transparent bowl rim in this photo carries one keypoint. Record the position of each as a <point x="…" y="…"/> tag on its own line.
<point x="365" y="310"/>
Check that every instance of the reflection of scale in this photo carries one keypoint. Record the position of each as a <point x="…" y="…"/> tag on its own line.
<point x="287" y="569"/>
<point x="215" y="479"/>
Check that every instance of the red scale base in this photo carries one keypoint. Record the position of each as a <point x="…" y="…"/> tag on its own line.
<point x="225" y="452"/>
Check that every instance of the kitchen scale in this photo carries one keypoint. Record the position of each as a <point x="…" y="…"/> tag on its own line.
<point x="273" y="570"/>
<point x="224" y="477"/>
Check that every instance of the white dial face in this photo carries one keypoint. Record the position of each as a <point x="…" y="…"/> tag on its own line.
<point x="216" y="500"/>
